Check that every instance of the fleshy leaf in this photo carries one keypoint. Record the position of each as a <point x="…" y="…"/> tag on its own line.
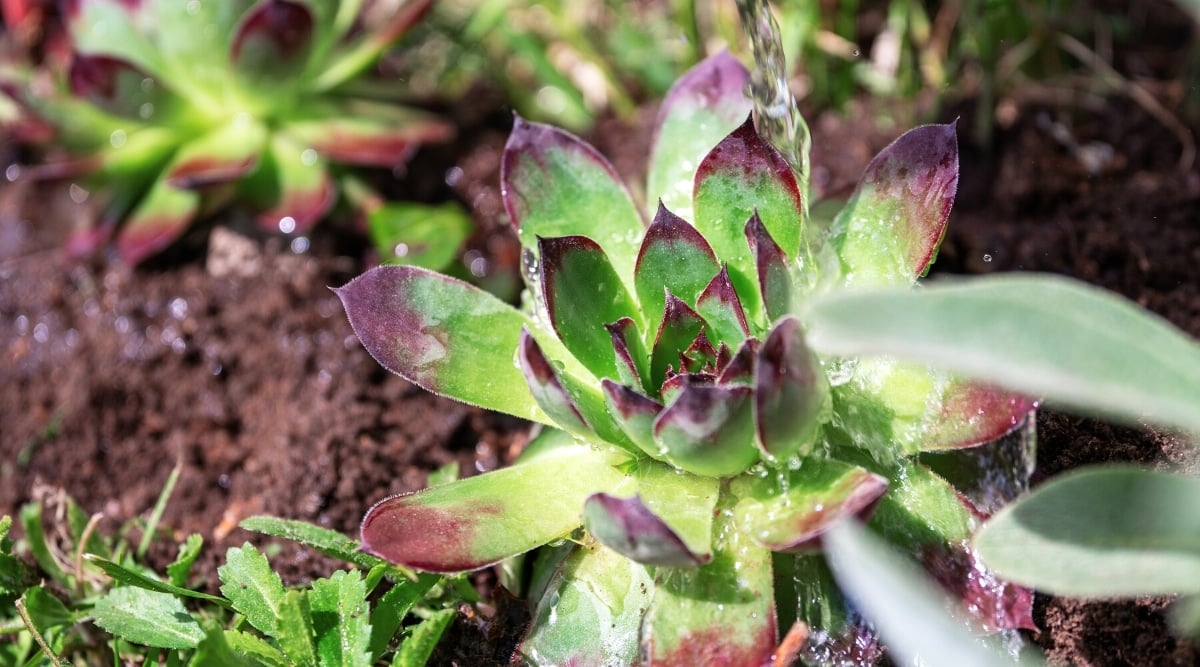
<point x="909" y="612"/>
<point x="606" y="595"/>
<point x="741" y="367"/>
<point x="973" y="413"/>
<point x="789" y="511"/>
<point x="478" y="521"/>
<point x="371" y="46"/>
<point x="774" y="281"/>
<point x="889" y="231"/>
<point x="993" y="329"/>
<point x="1101" y="532"/>
<point x="439" y="332"/>
<point x="113" y="84"/>
<point x="633" y="360"/>
<point x="121" y="35"/>
<point x="673" y="255"/>
<point x="703" y="106"/>
<point x="709" y="430"/>
<point x="722" y="613"/>
<point x="742" y="174"/>
<point x="791" y="396"/>
<point x="634" y="413"/>
<point x="273" y="42"/>
<point x="225" y="154"/>
<point x="367" y="133"/>
<point x="680" y="326"/>
<point x="296" y="184"/>
<point x="582" y="292"/>
<point x="546" y="389"/>
<point x="162" y="215"/>
<point x="719" y="305"/>
<point x="628" y="527"/>
<point x="686" y="502"/>
<point x="555" y="184"/>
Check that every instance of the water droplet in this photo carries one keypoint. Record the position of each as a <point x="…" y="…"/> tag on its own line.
<point x="287" y="224"/>
<point x="117" y="138"/>
<point x="77" y="194"/>
<point x="987" y="258"/>
<point x="856" y="53"/>
<point x="147" y="85"/>
<point x="12" y="172"/>
<point x="401" y="250"/>
<point x="41" y="332"/>
<point x="300" y="245"/>
<point x="479" y="267"/>
<point x="308" y="157"/>
<point x="146" y="111"/>
<point x="193" y="7"/>
<point x="453" y="176"/>
<point x="178" y="307"/>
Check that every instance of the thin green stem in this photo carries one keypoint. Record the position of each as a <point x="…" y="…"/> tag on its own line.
<point x="37" y="636"/>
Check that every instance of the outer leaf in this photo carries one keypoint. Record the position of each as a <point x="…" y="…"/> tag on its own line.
<point x="273" y="42"/>
<point x="703" y="106"/>
<point x="675" y="256"/>
<point x="160" y="218"/>
<point x="253" y="648"/>
<point x="421" y="234"/>
<point x="722" y="613"/>
<point x="991" y="328"/>
<point x="634" y="413"/>
<point x="628" y="527"/>
<point x="294" y="184"/>
<point x="709" y="430"/>
<point x="582" y="293"/>
<point x="633" y="361"/>
<point x="127" y="576"/>
<point x="591" y="612"/>
<point x="889" y="232"/>
<point x="686" y="502"/>
<point x="973" y="413"/>
<point x="792" y="511"/>
<point x="554" y="184"/>
<point x="907" y="611"/>
<point x="740" y="175"/>
<point x="441" y="334"/>
<point x="415" y="650"/>
<point x="371" y="46"/>
<point x="367" y="133"/>
<point x="791" y="397"/>
<point x="329" y="542"/>
<point x="119" y="34"/>
<point x="113" y="84"/>
<point x="478" y="521"/>
<point x="1101" y="532"/>
<point x="339" y="615"/>
<point x="255" y="590"/>
<point x="547" y="389"/>
<point x="225" y="154"/>
<point x="146" y="617"/>
<point x="392" y="607"/>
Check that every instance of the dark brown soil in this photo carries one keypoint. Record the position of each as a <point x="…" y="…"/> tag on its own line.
<point x="230" y="357"/>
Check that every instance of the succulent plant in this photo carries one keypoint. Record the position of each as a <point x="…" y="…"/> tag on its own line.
<point x="698" y="440"/>
<point x="176" y="107"/>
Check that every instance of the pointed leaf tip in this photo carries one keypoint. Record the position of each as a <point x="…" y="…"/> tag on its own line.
<point x="546" y="388"/>
<point x="627" y="526"/>
<point x="674" y="255"/>
<point x="708" y="430"/>
<point x="791" y="393"/>
<point x="274" y="37"/>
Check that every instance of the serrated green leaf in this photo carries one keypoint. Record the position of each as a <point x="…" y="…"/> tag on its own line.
<point x="127" y="576"/>
<point x="1040" y="335"/>
<point x="415" y="650"/>
<point x="254" y="589"/>
<point x="5" y="526"/>
<point x="253" y="648"/>
<point x="1101" y="532"/>
<point x="179" y="570"/>
<point x="147" y="617"/>
<point x="339" y="615"/>
<point x="215" y="649"/>
<point x="295" y="633"/>
<point x="393" y="606"/>
<point x="329" y="542"/>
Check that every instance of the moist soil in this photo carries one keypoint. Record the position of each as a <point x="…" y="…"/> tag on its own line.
<point x="228" y="356"/>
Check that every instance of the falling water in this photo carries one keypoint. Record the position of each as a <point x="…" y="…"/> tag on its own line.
<point x="776" y="116"/>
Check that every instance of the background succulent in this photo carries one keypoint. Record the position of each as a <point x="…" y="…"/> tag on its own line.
<point x="699" y="433"/>
<point x="178" y="107"/>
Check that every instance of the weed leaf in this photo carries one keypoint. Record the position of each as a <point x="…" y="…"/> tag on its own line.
<point x="147" y="617"/>
<point x="254" y="589"/>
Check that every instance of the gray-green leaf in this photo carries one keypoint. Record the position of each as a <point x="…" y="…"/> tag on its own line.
<point x="147" y="617"/>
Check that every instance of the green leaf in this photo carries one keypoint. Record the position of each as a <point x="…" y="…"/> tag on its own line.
<point x="719" y="613"/>
<point x="920" y="509"/>
<point x="442" y="334"/>
<point x="1101" y="532"/>
<point x="127" y="576"/>
<point x="216" y="649"/>
<point x="591" y="612"/>
<point x="161" y="216"/>
<point x="329" y="542"/>
<point x="419" y="234"/>
<point x="1079" y="346"/>
<point x="254" y="589"/>
<point x="46" y="610"/>
<point x="889" y="231"/>
<point x="554" y="184"/>
<point x="478" y="521"/>
<point x="415" y="650"/>
<point x="339" y="616"/>
<point x="223" y="155"/>
<point x="253" y="648"/>
<point x="295" y="632"/>
<point x="119" y="36"/>
<point x="704" y="105"/>
<point x="673" y="256"/>
<point x="907" y="609"/>
<point x="35" y="538"/>
<point x="292" y="186"/>
<point x="147" y="617"/>
<point x="189" y="551"/>
<point x="393" y="606"/>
